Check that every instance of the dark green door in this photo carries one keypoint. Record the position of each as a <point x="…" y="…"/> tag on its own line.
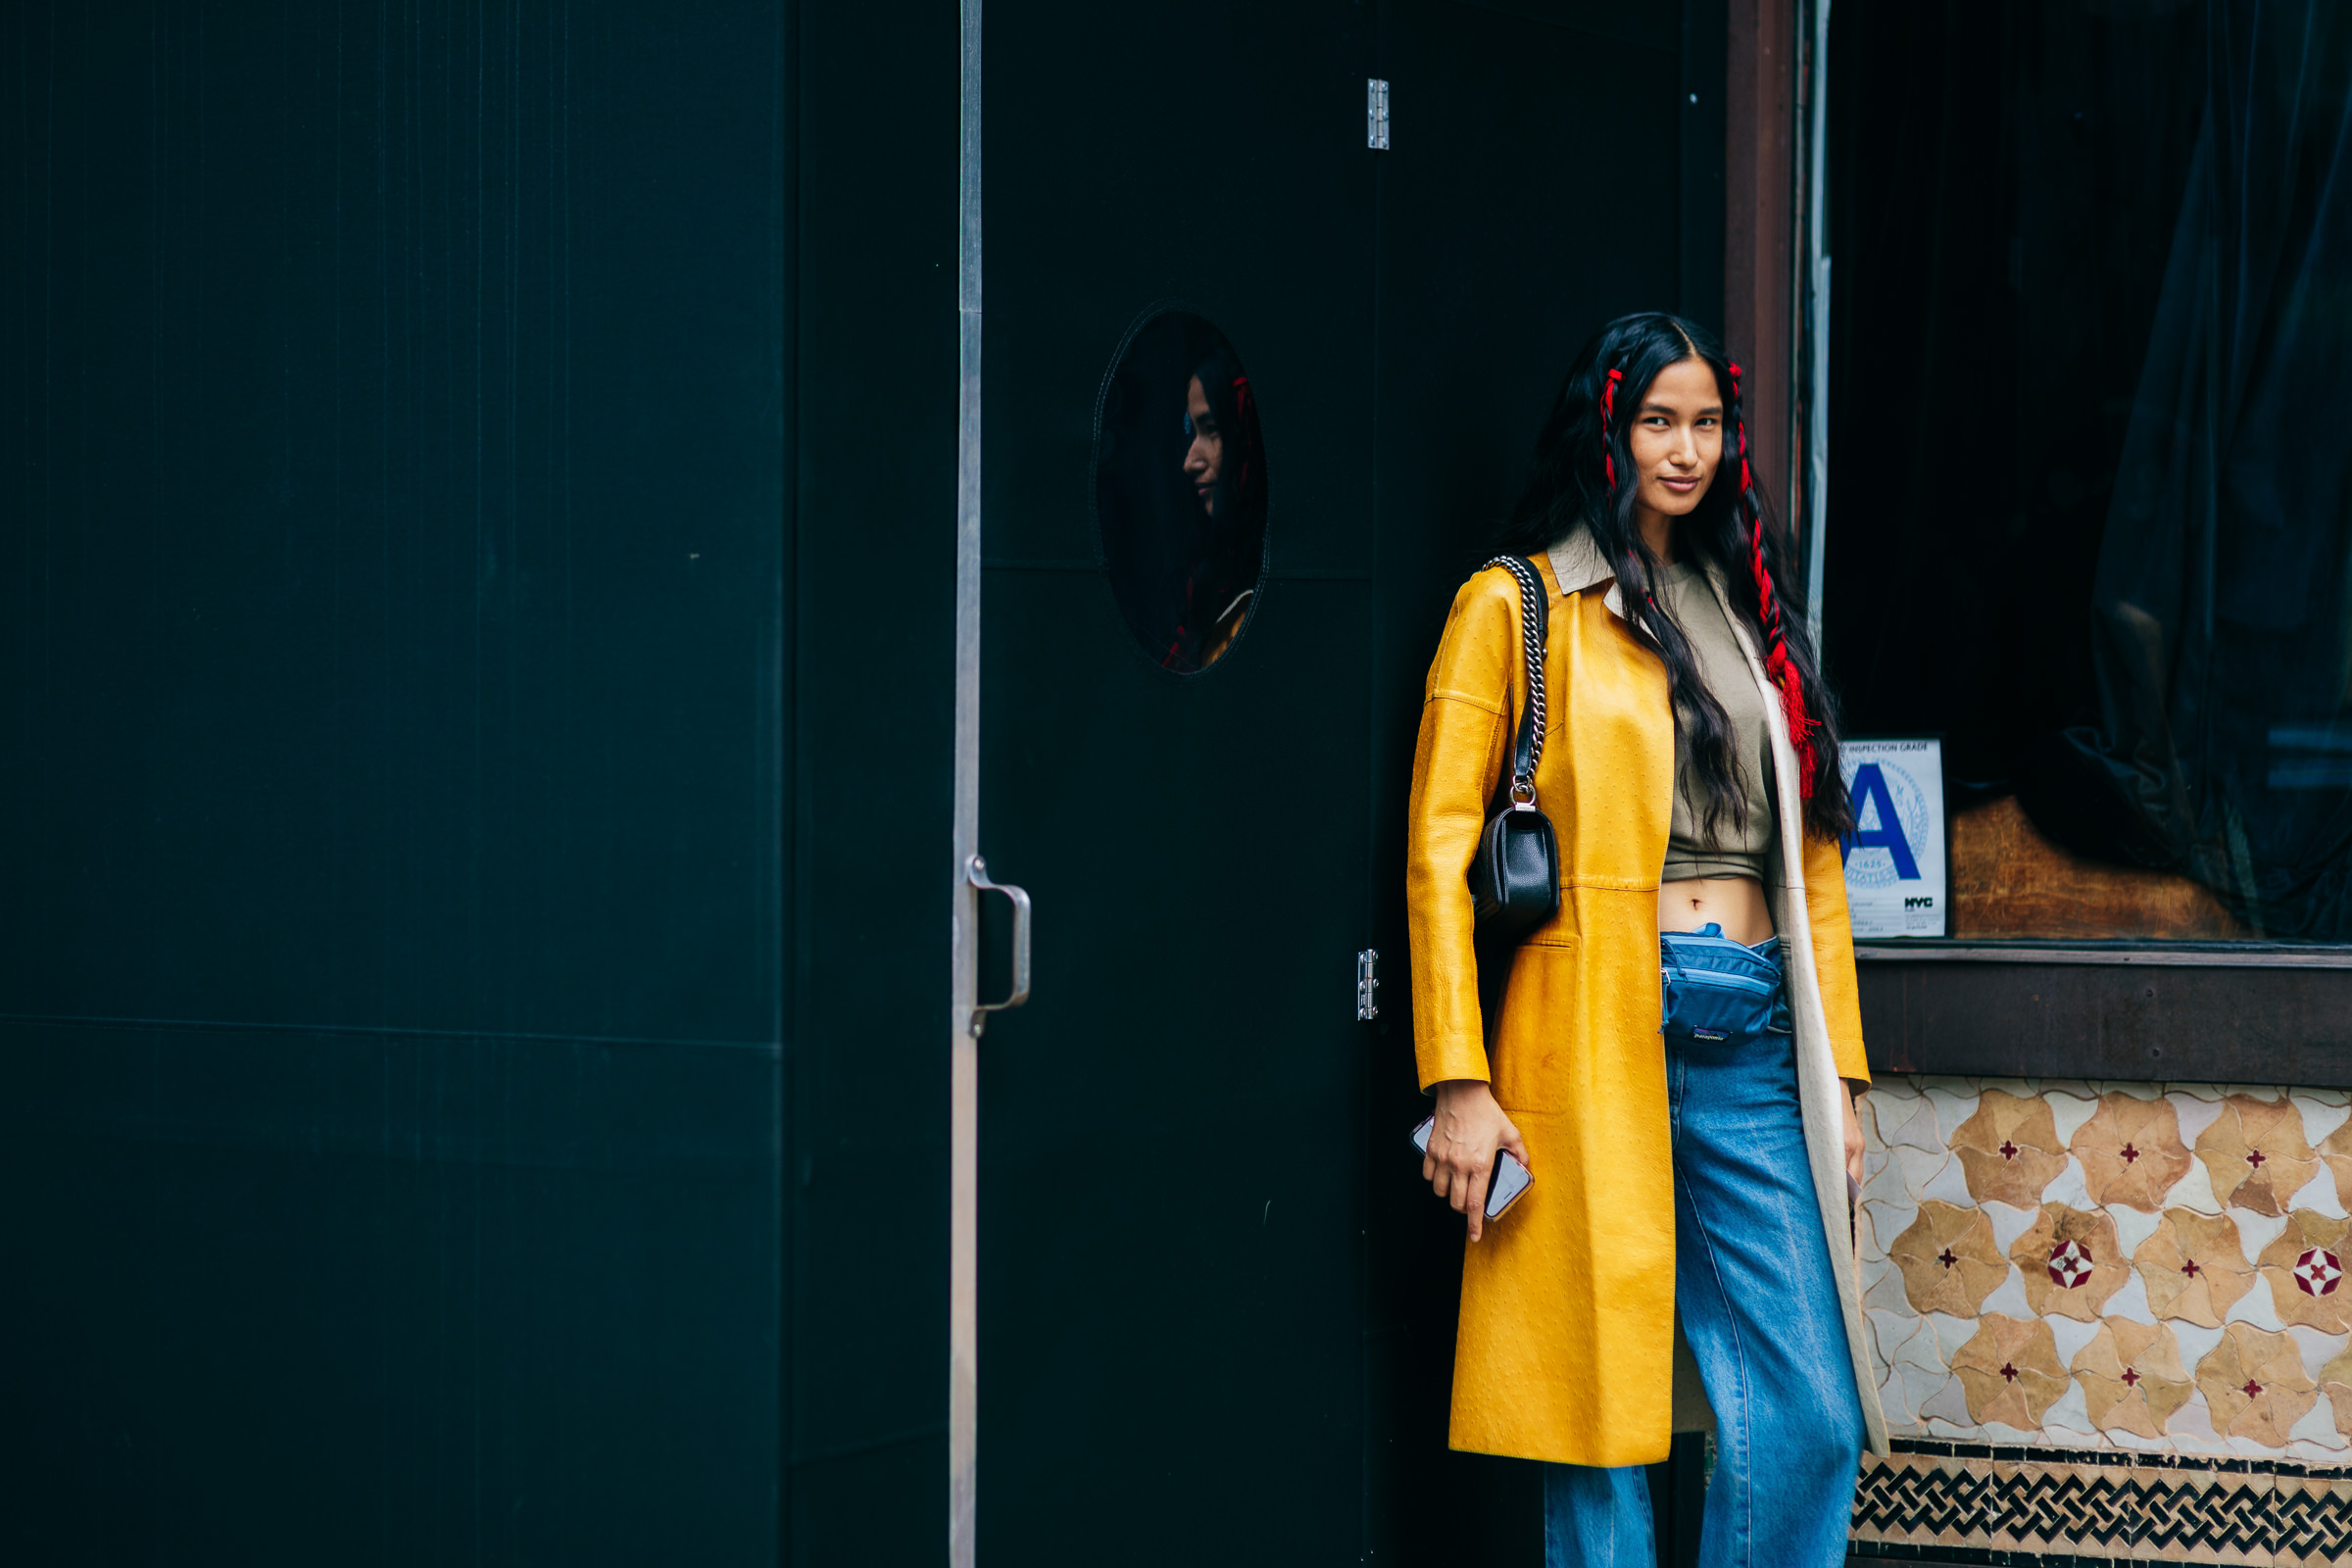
<point x="1170" y="1231"/>
<point x="1215" y="1307"/>
<point x="1553" y="164"/>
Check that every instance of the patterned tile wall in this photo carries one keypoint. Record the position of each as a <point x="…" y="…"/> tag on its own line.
<point x="2112" y="1267"/>
<point x="1953" y="1502"/>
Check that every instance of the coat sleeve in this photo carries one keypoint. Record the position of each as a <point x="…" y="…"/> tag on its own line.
<point x="1473" y="689"/>
<point x="1834" y="955"/>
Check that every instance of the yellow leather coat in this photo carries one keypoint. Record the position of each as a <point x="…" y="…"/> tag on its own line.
<point x="1566" y="1345"/>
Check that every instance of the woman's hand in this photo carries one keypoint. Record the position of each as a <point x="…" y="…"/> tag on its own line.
<point x="1853" y="1132"/>
<point x="1461" y="1147"/>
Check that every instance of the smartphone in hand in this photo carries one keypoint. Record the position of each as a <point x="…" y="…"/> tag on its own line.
<point x="1503" y="1188"/>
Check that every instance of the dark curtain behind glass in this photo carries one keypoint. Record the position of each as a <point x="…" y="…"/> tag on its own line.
<point x="2223" y="631"/>
<point x="2085" y="347"/>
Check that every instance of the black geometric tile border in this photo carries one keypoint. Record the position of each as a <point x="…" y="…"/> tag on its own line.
<point x="1957" y="1503"/>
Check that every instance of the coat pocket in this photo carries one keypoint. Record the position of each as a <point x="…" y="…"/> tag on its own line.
<point x="1534" y="1041"/>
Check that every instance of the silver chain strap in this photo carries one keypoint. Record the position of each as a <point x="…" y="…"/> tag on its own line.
<point x="1530" y="598"/>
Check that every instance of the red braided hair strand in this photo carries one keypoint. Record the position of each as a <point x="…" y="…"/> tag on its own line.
<point x="1777" y="663"/>
<point x="1608" y="412"/>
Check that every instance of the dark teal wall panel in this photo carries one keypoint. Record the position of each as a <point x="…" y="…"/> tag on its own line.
<point x="396" y="744"/>
<point x="306" y="1297"/>
<point x="394" y="415"/>
<point x="875" y="115"/>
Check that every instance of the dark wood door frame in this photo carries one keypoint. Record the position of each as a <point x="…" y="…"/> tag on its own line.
<point x="1760" y="228"/>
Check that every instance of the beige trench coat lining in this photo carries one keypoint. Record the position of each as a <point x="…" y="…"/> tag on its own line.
<point x="1578" y="565"/>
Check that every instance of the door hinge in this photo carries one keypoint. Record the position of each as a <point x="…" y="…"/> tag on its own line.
<point x="1376" y="114"/>
<point x="1367" y="984"/>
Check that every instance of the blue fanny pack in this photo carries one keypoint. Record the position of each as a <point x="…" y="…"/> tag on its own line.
<point x="1713" y="989"/>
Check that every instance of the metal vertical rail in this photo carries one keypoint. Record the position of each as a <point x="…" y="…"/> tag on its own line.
<point x="963" y="1246"/>
<point x="1816" y="282"/>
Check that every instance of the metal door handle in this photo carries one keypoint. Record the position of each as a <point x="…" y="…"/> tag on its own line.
<point x="977" y="872"/>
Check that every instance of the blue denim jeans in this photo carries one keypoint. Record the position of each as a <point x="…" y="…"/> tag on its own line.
<point x="1753" y="1285"/>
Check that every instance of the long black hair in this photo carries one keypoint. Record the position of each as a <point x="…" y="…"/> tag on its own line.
<point x="1582" y="473"/>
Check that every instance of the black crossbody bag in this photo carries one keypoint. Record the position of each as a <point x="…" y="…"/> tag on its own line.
<point x="1515" y="877"/>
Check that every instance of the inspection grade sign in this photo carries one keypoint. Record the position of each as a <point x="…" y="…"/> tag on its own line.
<point x="1896" y="879"/>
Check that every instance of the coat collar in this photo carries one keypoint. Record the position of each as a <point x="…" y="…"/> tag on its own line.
<point x="1577" y="563"/>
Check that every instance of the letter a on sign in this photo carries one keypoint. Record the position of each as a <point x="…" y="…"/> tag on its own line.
<point x="1870" y="799"/>
<point x="1897" y="882"/>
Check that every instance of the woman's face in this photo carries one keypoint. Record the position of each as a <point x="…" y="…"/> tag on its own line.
<point x="1676" y="438"/>
<point x="1207" y="454"/>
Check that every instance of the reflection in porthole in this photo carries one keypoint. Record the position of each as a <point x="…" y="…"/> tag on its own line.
<point x="1180" y="489"/>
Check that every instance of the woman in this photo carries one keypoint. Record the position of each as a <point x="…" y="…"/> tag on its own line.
<point x="1226" y="469"/>
<point x="1686" y="1126"/>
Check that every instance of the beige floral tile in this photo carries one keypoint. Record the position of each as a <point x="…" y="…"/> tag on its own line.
<point x="2319" y="1197"/>
<point x="2194" y="1190"/>
<point x="2131" y="1152"/>
<point x="2009" y="1150"/>
<point x="2068" y="1188"/>
<point x="2190" y="1430"/>
<point x="2335" y="1154"/>
<point x="1954" y="1102"/>
<point x="2336" y="1381"/>
<point x="2068" y="1421"/>
<point x="2132" y="1377"/>
<point x="1948" y="1259"/>
<point x="2134" y="1226"/>
<point x="2254" y="1384"/>
<point x="2083" y="1258"/>
<point x="2071" y="1262"/>
<point x="2322" y="1116"/>
<point x="2256" y="1154"/>
<point x="2314" y="1437"/>
<point x="2193" y="1267"/>
<point x="1909" y="1120"/>
<point x="2010" y="1371"/>
<point x="2305" y="1266"/>
<point x="1902" y="1174"/>
<point x="1914" y="1366"/>
<point x="2070" y="1106"/>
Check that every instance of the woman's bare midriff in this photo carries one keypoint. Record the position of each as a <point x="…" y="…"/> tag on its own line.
<point x="1734" y="902"/>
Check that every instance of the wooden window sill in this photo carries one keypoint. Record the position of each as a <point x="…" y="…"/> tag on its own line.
<point x="2160" y="955"/>
<point x="2254" y="1013"/>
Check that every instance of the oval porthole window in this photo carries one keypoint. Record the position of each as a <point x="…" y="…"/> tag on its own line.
<point x="1180" y="489"/>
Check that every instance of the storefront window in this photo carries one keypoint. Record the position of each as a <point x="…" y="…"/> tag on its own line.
<point x="2091" y="506"/>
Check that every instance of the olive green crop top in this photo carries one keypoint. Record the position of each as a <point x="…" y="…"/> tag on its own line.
<point x="1723" y="666"/>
